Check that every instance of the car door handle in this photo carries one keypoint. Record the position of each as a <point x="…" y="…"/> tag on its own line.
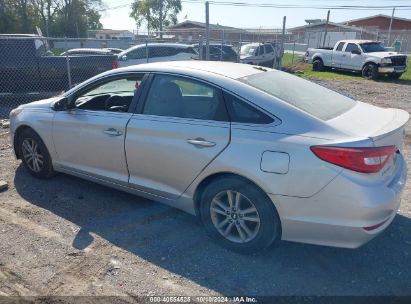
<point x="200" y="142"/>
<point x="113" y="132"/>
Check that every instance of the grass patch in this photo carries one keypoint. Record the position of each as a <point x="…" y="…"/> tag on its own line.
<point x="305" y="70"/>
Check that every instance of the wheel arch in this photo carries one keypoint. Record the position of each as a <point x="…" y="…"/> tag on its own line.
<point x="199" y="191"/>
<point x="20" y="129"/>
<point x="369" y="62"/>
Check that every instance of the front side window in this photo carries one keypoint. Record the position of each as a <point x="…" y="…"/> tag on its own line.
<point x="139" y="53"/>
<point x="114" y="96"/>
<point x="260" y="51"/>
<point x="175" y="96"/>
<point x="268" y="48"/>
<point x="351" y="47"/>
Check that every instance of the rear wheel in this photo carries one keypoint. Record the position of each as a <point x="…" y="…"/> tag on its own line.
<point x="35" y="155"/>
<point x="318" y="65"/>
<point x="370" y="71"/>
<point x="239" y="215"/>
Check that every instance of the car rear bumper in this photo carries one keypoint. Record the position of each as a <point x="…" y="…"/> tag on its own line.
<point x="392" y="69"/>
<point x="337" y="215"/>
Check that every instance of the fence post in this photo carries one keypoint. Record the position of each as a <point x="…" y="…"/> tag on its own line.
<point x="147" y="50"/>
<point x="239" y="48"/>
<point x="207" y="6"/>
<point x="68" y="67"/>
<point x="200" y="47"/>
<point x="222" y="43"/>
<point x="292" y="59"/>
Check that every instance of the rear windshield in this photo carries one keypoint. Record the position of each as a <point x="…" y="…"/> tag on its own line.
<point x="314" y="99"/>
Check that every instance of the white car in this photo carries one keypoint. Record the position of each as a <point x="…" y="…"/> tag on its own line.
<point x="368" y="57"/>
<point x="258" y="54"/>
<point x="156" y="52"/>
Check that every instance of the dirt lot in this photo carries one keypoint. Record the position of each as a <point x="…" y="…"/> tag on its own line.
<point x="66" y="236"/>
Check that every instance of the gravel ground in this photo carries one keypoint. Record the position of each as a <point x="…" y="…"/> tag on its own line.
<point x="67" y="236"/>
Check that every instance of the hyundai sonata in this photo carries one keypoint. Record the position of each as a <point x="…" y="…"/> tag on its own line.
<point x="257" y="154"/>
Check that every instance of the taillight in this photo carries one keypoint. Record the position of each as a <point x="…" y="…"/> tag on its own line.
<point x="114" y="64"/>
<point x="365" y="160"/>
<point x="307" y="53"/>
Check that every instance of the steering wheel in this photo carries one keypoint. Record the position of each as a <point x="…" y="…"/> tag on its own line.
<point x="115" y="103"/>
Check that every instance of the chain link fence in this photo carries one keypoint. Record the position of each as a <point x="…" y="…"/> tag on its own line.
<point x="33" y="67"/>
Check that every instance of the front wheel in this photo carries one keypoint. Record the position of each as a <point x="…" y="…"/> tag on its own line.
<point x="35" y="155"/>
<point x="370" y="71"/>
<point x="239" y="215"/>
<point x="394" y="75"/>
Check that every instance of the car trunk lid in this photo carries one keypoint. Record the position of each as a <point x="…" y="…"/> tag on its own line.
<point x="384" y="127"/>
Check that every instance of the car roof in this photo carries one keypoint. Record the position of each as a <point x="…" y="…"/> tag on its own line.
<point x="89" y="50"/>
<point x="358" y="41"/>
<point x="174" y="45"/>
<point x="226" y="69"/>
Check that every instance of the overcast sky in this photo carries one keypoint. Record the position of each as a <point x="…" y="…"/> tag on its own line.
<point x="255" y="17"/>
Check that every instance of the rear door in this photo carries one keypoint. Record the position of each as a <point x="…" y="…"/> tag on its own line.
<point x="179" y="129"/>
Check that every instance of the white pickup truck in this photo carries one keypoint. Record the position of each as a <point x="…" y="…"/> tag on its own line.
<point x="368" y="57"/>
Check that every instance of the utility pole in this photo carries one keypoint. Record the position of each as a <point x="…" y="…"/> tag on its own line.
<point x="389" y="30"/>
<point x="207" y="7"/>
<point x="326" y="27"/>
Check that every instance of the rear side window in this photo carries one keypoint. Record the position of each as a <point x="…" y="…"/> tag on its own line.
<point x="305" y="95"/>
<point x="340" y="46"/>
<point x="244" y="113"/>
<point x="190" y="50"/>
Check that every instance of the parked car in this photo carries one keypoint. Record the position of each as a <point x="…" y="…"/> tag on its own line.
<point x="88" y="51"/>
<point x="156" y="52"/>
<point x="366" y="56"/>
<point x="27" y="65"/>
<point x="115" y="50"/>
<point x="256" y="162"/>
<point x="258" y="54"/>
<point x="218" y="53"/>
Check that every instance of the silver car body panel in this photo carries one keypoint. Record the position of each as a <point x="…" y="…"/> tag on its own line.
<point x="329" y="206"/>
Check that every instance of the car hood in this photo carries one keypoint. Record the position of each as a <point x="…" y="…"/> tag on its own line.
<point x="44" y="103"/>
<point x="384" y="54"/>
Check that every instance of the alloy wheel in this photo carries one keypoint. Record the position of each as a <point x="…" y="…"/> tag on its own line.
<point x="234" y="216"/>
<point x="32" y="155"/>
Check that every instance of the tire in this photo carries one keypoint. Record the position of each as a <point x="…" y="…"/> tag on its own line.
<point x="394" y="75"/>
<point x="38" y="164"/>
<point x="370" y="71"/>
<point x="243" y="235"/>
<point x="318" y="65"/>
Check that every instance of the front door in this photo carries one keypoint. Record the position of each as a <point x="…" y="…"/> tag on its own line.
<point x="89" y="139"/>
<point x="181" y="128"/>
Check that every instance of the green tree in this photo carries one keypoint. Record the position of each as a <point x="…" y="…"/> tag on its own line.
<point x="156" y="14"/>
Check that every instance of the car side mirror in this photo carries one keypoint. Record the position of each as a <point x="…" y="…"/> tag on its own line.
<point x="123" y="58"/>
<point x="62" y="104"/>
<point x="357" y="52"/>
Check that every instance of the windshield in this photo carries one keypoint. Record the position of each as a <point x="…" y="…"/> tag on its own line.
<point x="307" y="96"/>
<point x="371" y="47"/>
<point x="248" y="49"/>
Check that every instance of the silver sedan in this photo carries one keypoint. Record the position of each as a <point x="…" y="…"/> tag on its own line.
<point x="257" y="154"/>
